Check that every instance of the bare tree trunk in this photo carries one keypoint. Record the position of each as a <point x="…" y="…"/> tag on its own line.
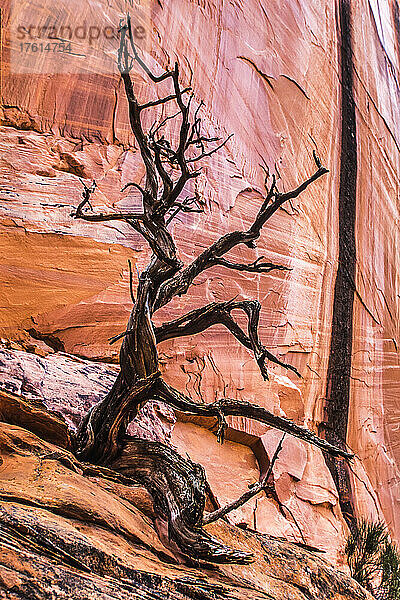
<point x="176" y="484"/>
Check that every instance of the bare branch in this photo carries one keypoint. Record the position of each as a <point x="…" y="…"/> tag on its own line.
<point x="163" y="122"/>
<point x="131" y="282"/>
<point x="200" y="319"/>
<point x="210" y="152"/>
<point x="181" y="282"/>
<point x="135" y="185"/>
<point x="202" y="139"/>
<point x="87" y="192"/>
<point x="115" y="338"/>
<point x="317" y="159"/>
<point x="151" y="186"/>
<point x="255" y="489"/>
<point x="241" y="408"/>
<point x="162" y="100"/>
<point x="156" y="205"/>
<point x="255" y="267"/>
<point x="168" y="184"/>
<point x="159" y="101"/>
<point x="154" y="78"/>
<point x="110" y="217"/>
<point x="189" y="205"/>
<point x="216" y="313"/>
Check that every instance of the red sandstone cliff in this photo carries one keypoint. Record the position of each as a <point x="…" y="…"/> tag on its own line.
<point x="271" y="73"/>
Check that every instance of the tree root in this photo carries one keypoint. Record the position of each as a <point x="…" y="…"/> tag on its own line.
<point x="178" y="489"/>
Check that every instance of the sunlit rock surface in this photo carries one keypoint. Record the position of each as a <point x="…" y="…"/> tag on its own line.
<point x="269" y="73"/>
<point x="68" y="532"/>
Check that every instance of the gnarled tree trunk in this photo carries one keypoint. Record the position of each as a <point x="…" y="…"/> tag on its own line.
<point x="176" y="484"/>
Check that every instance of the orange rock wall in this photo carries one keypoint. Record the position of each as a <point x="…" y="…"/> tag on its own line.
<point x="269" y="73"/>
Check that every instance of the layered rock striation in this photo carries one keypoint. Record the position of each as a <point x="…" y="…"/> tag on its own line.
<point x="275" y="75"/>
<point x="67" y="528"/>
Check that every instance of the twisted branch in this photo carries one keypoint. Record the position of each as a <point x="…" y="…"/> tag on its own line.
<point x="241" y="408"/>
<point x="200" y="319"/>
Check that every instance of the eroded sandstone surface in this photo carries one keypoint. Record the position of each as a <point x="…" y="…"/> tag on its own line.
<point x="270" y="74"/>
<point x="67" y="530"/>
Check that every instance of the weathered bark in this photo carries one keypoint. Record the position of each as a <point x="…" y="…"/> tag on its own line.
<point x="178" y="488"/>
<point x="177" y="485"/>
<point x="100" y="435"/>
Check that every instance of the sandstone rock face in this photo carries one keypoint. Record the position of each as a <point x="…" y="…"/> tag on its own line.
<point x="70" y="386"/>
<point x="269" y="73"/>
<point x="305" y="506"/>
<point x="66" y="533"/>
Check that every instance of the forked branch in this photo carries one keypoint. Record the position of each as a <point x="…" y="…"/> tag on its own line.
<point x="256" y="266"/>
<point x="180" y="283"/>
<point x="155" y="148"/>
<point x="254" y="489"/>
<point x="81" y="212"/>
<point x="219" y="313"/>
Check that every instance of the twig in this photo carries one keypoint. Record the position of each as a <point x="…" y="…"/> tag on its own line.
<point x="283" y="506"/>
<point x="131" y="282"/>
<point x="255" y="489"/>
<point x="255" y="267"/>
<point x="136" y="185"/>
<point x="164" y="100"/>
<point x="210" y="152"/>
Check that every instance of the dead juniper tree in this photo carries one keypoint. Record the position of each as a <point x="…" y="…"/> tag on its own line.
<point x="177" y="485"/>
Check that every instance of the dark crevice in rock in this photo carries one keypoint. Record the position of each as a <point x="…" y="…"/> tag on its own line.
<point x="51" y="340"/>
<point x="339" y="366"/>
<point x="69" y="164"/>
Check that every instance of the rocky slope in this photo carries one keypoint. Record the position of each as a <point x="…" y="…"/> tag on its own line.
<point x="69" y="530"/>
<point x="271" y="73"/>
